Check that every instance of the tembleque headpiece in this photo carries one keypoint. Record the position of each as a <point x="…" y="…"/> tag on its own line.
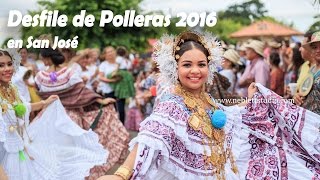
<point x="166" y="57"/>
<point x="15" y="56"/>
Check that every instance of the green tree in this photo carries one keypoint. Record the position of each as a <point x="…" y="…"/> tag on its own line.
<point x="4" y="44"/>
<point x="133" y="37"/>
<point x="243" y="12"/>
<point x="235" y="17"/>
<point x="224" y="28"/>
<point x="316" y="25"/>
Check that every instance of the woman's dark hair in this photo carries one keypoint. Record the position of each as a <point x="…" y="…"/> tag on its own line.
<point x="55" y="55"/>
<point x="5" y="53"/>
<point x="121" y="51"/>
<point x="23" y="48"/>
<point x="274" y="59"/>
<point x="189" y="45"/>
<point x="297" y="59"/>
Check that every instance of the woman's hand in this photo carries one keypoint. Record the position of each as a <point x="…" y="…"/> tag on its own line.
<point x="44" y="103"/>
<point x="85" y="79"/>
<point x="298" y="99"/>
<point x="114" y="80"/>
<point x="288" y="91"/>
<point x="246" y="82"/>
<point x="106" y="101"/>
<point x="3" y="175"/>
<point x="50" y="99"/>
<point x="251" y="90"/>
<point x="110" y="177"/>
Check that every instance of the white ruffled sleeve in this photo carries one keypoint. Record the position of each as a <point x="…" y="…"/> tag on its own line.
<point x="2" y="127"/>
<point x="309" y="133"/>
<point x="152" y="152"/>
<point x="157" y="142"/>
<point x="168" y="148"/>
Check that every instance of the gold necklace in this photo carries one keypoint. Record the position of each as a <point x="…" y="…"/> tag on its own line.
<point x="200" y="121"/>
<point x="9" y="95"/>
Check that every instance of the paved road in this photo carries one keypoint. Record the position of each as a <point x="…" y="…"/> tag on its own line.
<point x="114" y="168"/>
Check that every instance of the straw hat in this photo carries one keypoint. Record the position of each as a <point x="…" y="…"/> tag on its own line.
<point x="314" y="38"/>
<point x="232" y="56"/>
<point x="274" y="44"/>
<point x="231" y="46"/>
<point x="257" y="46"/>
<point x="242" y="48"/>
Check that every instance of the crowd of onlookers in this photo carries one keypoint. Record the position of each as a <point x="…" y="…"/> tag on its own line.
<point x="281" y="66"/>
<point x="117" y="73"/>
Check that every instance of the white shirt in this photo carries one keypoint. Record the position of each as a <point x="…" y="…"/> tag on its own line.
<point x="76" y="67"/>
<point x="123" y="63"/>
<point x="17" y="80"/>
<point x="228" y="73"/>
<point x="107" y="69"/>
<point x="89" y="73"/>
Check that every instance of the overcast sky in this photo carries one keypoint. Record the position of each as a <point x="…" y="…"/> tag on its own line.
<point x="300" y="12"/>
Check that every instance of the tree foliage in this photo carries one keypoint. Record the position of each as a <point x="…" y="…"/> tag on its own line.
<point x="4" y="44"/>
<point x="224" y="28"/>
<point x="239" y="15"/>
<point x="242" y="13"/>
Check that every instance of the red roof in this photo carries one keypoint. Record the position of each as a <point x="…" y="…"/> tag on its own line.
<point x="265" y="28"/>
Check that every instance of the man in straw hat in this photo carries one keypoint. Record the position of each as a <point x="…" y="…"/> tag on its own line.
<point x="242" y="54"/>
<point x="275" y="46"/>
<point x="258" y="70"/>
<point x="310" y="87"/>
<point x="272" y="47"/>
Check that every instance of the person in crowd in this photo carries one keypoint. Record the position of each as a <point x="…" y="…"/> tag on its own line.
<point x="150" y="81"/>
<point x="134" y="115"/>
<point x="242" y="53"/>
<point x="276" y="74"/>
<point x="231" y="60"/>
<point x="258" y="70"/>
<point x="293" y="71"/>
<point x="89" y="70"/>
<point x="275" y="47"/>
<point x="309" y="91"/>
<point x="107" y="67"/>
<point x="124" y="88"/>
<point x="286" y="54"/>
<point x="308" y="61"/>
<point x="68" y="54"/>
